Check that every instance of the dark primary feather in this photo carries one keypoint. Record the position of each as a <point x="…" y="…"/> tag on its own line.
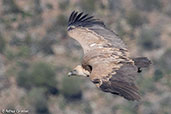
<point x="122" y="83"/>
<point x="74" y="16"/>
<point x="87" y="19"/>
<point x="78" y="19"/>
<point x="129" y="92"/>
<point x="83" y="17"/>
<point x="70" y="18"/>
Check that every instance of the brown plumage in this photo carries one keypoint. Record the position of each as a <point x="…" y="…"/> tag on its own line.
<point x="106" y="59"/>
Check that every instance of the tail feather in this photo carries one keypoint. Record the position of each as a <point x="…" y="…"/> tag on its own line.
<point x="141" y="62"/>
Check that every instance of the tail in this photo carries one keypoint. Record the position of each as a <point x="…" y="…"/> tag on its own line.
<point x="141" y="62"/>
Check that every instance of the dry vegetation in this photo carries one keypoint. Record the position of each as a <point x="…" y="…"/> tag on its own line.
<point x="36" y="54"/>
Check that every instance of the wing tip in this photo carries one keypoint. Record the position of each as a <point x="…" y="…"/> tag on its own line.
<point x="80" y="19"/>
<point x="129" y="92"/>
<point x="134" y="98"/>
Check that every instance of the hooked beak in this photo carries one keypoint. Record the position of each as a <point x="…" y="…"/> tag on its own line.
<point x="71" y="73"/>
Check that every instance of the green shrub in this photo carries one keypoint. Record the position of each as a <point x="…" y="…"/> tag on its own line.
<point x="37" y="7"/>
<point x="27" y="40"/>
<point x="38" y="100"/>
<point x="23" y="79"/>
<point x="11" y="7"/>
<point x="167" y="10"/>
<point x="146" y="84"/>
<point x="45" y="45"/>
<point x="9" y="54"/>
<point x="148" y="5"/>
<point x="128" y="110"/>
<point x="165" y="103"/>
<point x="64" y="4"/>
<point x="165" y="62"/>
<point x="88" y="5"/>
<point x="61" y="22"/>
<point x="88" y="108"/>
<point x="39" y="75"/>
<point x="135" y="19"/>
<point x="43" y="74"/>
<point x="158" y="74"/>
<point x="71" y="88"/>
<point x="24" y="51"/>
<point x="114" y="5"/>
<point x="2" y="44"/>
<point x="49" y="6"/>
<point x="149" y="38"/>
<point x="120" y="29"/>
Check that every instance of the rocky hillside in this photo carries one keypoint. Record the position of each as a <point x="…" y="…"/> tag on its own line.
<point x="36" y="54"/>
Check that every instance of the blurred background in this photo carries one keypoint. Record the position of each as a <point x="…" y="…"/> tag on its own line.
<point x="36" y="54"/>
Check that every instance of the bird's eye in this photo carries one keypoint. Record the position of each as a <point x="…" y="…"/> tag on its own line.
<point x="74" y="70"/>
<point x="89" y="67"/>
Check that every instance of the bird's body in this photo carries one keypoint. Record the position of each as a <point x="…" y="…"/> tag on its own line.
<point x="106" y="58"/>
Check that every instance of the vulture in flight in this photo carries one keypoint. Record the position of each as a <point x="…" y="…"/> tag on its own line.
<point x="106" y="59"/>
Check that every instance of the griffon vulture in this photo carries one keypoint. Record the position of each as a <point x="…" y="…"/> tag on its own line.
<point x="106" y="59"/>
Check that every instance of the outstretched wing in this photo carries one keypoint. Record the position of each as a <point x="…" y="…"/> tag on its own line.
<point x="91" y="33"/>
<point x="119" y="81"/>
<point x="112" y="70"/>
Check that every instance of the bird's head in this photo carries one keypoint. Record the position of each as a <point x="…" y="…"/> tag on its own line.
<point x="79" y="71"/>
